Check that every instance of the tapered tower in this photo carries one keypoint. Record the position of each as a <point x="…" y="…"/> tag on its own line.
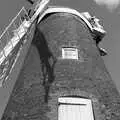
<point x="64" y="76"/>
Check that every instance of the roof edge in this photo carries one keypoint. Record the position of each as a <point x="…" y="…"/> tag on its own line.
<point x="91" y="22"/>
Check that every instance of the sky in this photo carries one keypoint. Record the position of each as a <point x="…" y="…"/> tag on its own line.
<point x="106" y="10"/>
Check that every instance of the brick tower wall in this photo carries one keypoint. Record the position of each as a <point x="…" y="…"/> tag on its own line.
<point x="46" y="76"/>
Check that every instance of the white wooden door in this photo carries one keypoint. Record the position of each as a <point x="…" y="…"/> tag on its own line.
<point x="75" y="109"/>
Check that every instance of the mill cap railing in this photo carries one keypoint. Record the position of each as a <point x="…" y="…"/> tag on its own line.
<point x="14" y="32"/>
<point x="18" y="27"/>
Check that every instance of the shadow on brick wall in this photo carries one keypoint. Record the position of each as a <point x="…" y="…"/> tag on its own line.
<point x="47" y="60"/>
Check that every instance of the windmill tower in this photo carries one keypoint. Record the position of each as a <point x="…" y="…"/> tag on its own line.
<point x="63" y="76"/>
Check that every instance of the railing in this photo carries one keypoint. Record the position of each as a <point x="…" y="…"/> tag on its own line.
<point x="13" y="33"/>
<point x="18" y="27"/>
<point x="9" y="40"/>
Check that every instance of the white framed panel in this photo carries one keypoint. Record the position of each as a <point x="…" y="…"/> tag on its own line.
<point x="69" y="53"/>
<point x="75" y="109"/>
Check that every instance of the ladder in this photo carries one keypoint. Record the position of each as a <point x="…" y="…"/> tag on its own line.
<point x="13" y="34"/>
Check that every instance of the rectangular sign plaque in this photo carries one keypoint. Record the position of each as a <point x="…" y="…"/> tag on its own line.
<point x="70" y="53"/>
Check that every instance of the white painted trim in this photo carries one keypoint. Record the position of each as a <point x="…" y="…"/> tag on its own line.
<point x="74" y="100"/>
<point x="65" y="10"/>
<point x="39" y="8"/>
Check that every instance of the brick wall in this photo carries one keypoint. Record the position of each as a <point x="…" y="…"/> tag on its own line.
<point x="46" y="76"/>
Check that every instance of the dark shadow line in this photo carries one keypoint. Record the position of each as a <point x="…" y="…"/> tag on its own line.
<point x="47" y="60"/>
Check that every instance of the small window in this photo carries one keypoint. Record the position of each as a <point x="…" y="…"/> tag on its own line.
<point x="69" y="53"/>
<point x="75" y="109"/>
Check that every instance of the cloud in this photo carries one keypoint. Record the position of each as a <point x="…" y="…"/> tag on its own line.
<point x="110" y="4"/>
